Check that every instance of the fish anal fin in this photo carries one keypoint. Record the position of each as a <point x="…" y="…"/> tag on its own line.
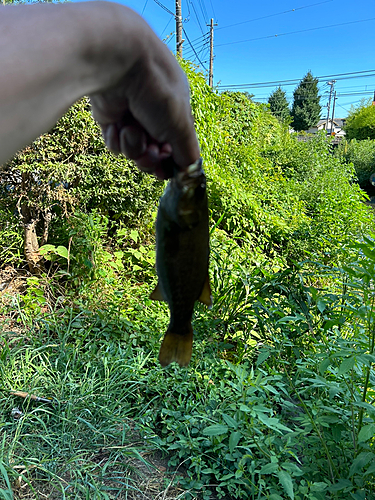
<point x="206" y="296"/>
<point x="176" y="347"/>
<point x="157" y="294"/>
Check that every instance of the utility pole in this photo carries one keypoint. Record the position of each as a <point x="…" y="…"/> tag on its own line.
<point x="332" y="84"/>
<point x="211" y="73"/>
<point x="333" y="112"/>
<point x="179" y="39"/>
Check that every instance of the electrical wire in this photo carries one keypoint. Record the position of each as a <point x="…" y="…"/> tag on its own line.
<point x="273" y="15"/>
<point x="165" y="8"/>
<point x="196" y="15"/>
<point x="196" y="55"/>
<point x="295" y="32"/>
<point x="199" y="46"/>
<point x="197" y="49"/>
<point x="166" y="26"/>
<point x="170" y="38"/>
<point x="203" y="10"/>
<point x="307" y="98"/>
<point x="345" y="76"/>
<point x="144" y="7"/>
<point x="212" y="7"/>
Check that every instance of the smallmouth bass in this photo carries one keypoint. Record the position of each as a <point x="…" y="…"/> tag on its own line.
<point x="182" y="252"/>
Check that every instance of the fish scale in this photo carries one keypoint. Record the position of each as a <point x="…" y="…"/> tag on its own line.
<point x="182" y="253"/>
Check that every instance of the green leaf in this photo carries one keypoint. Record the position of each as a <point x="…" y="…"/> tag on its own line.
<point x="321" y="305"/>
<point x="272" y="423"/>
<point x="370" y="470"/>
<point x="230" y="421"/>
<point x="227" y="476"/>
<point x="215" y="430"/>
<point x="292" y="468"/>
<point x="367" y="432"/>
<point x="319" y="486"/>
<point x="233" y="440"/>
<point x="134" y="235"/>
<point x="361" y="461"/>
<point x="340" y="485"/>
<point x="324" y="365"/>
<point x="286" y="482"/>
<point x="46" y="249"/>
<point x="270" y="468"/>
<point x="245" y="408"/>
<point x="62" y="251"/>
<point x="263" y="355"/>
<point x="346" y="365"/>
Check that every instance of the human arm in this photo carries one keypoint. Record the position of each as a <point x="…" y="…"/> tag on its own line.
<point x="54" y="54"/>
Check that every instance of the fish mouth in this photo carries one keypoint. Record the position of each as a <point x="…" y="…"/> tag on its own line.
<point x="197" y="165"/>
<point x="192" y="176"/>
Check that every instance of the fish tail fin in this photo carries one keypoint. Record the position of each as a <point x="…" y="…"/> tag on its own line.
<point x="176" y="347"/>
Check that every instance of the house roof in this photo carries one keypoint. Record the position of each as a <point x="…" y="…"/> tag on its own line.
<point x="339" y="122"/>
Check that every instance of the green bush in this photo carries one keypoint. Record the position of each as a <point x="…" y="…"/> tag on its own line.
<point x="360" y="123"/>
<point x="362" y="155"/>
<point x="11" y="239"/>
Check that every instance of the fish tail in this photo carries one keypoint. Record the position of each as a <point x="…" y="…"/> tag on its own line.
<point x="176" y="347"/>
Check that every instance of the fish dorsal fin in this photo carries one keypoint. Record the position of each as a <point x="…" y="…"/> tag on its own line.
<point x="157" y="294"/>
<point x="205" y="296"/>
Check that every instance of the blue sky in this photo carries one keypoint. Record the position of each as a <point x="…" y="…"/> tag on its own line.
<point x="347" y="46"/>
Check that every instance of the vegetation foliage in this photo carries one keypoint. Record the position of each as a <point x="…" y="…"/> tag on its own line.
<point x="360" y="123"/>
<point x="277" y="403"/>
<point x="306" y="107"/>
<point x="279" y="104"/>
<point x="361" y="153"/>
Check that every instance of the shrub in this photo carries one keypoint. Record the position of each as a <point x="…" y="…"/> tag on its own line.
<point x="362" y="155"/>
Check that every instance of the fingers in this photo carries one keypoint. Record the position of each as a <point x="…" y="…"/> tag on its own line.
<point x="146" y="113"/>
<point x="134" y="143"/>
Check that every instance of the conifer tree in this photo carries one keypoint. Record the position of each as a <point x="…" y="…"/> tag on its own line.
<point x="279" y="104"/>
<point x="306" y="106"/>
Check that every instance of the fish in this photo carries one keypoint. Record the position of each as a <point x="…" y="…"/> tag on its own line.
<point x="182" y="258"/>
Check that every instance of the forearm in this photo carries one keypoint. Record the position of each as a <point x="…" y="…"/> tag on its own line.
<point x="41" y="76"/>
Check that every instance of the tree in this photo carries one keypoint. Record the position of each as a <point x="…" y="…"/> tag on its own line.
<point x="70" y="168"/>
<point x="361" y="122"/>
<point x="306" y="106"/>
<point x="279" y="104"/>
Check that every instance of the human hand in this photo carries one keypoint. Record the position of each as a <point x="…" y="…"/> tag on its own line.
<point x="145" y="114"/>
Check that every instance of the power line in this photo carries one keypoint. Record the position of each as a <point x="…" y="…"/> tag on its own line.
<point x="144" y="7"/>
<point x="170" y="38"/>
<point x="203" y="10"/>
<point x="201" y="36"/>
<point x="165" y="8"/>
<point x="200" y="48"/>
<point x="196" y="55"/>
<point x="196" y="15"/>
<point x="166" y="26"/>
<point x="339" y="94"/>
<point x="345" y="76"/>
<point x="201" y="44"/>
<point x="295" y="32"/>
<point x="213" y="10"/>
<point x="273" y="15"/>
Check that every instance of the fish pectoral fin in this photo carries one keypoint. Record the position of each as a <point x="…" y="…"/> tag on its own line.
<point x="206" y="296"/>
<point x="176" y="347"/>
<point x="156" y="294"/>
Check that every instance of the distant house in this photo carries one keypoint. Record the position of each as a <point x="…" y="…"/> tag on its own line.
<point x="335" y="128"/>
